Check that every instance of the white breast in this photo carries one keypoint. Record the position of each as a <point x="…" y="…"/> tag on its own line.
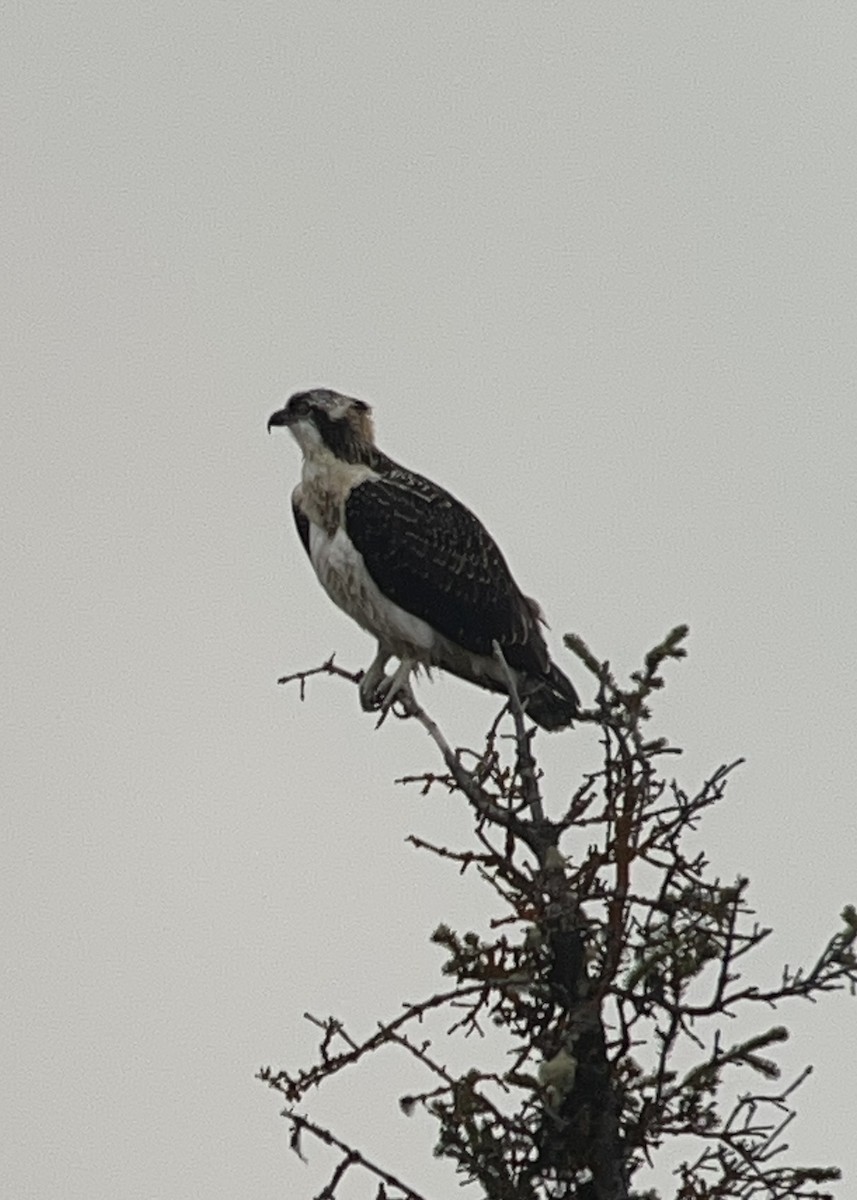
<point x="343" y="575"/>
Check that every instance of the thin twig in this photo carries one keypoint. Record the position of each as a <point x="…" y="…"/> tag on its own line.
<point x="353" y="1157"/>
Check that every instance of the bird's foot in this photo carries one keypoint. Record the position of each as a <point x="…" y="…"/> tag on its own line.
<point x="382" y="693"/>
<point x="373" y="685"/>
<point x="404" y="697"/>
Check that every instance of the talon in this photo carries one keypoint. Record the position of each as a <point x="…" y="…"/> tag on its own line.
<point x="374" y="683"/>
<point x="371" y="698"/>
<point x="386" y="690"/>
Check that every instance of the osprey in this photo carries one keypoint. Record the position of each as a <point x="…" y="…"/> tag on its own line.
<point x="412" y="566"/>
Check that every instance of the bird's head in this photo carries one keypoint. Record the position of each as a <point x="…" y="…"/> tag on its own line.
<point x="321" y="419"/>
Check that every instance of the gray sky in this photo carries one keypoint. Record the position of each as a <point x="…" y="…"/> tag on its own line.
<point x="595" y="266"/>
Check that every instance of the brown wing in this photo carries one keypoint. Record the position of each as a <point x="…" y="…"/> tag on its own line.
<point x="435" y="559"/>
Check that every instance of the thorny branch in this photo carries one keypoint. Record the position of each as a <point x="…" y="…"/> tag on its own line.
<point x="350" y="1158"/>
<point x="614" y="958"/>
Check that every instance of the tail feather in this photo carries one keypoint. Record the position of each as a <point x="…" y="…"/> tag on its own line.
<point x="551" y="701"/>
<point x="547" y="695"/>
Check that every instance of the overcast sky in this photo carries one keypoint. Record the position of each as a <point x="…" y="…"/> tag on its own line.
<point x="595" y="266"/>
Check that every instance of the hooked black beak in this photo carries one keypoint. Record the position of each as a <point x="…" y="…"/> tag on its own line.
<point x="281" y="417"/>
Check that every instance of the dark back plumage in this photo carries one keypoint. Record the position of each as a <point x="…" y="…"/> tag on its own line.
<point x="434" y="558"/>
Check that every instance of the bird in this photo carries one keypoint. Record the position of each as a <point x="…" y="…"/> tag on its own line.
<point x="413" y="567"/>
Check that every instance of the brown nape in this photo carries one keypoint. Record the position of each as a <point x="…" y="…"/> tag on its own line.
<point x="362" y="424"/>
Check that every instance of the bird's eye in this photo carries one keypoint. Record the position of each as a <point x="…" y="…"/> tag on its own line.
<point x="299" y="405"/>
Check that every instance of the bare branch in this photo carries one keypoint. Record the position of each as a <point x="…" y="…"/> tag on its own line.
<point x="351" y="1157"/>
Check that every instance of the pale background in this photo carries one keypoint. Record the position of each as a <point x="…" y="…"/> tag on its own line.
<point x="595" y="265"/>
